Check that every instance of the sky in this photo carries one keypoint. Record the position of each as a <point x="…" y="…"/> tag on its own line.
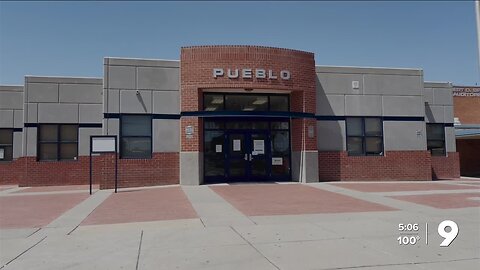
<point x="72" y="38"/>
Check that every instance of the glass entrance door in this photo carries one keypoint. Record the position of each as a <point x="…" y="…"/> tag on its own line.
<point x="247" y="154"/>
<point x="246" y="149"/>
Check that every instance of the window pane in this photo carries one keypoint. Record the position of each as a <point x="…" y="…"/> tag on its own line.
<point x="435" y="144"/>
<point x="214" y="142"/>
<point x="48" y="133"/>
<point x="280" y="141"/>
<point x="438" y="152"/>
<point x="435" y="132"/>
<point x="6" y="136"/>
<point x="279" y="125"/>
<point x="7" y="153"/>
<point x="48" y="151"/>
<point x="373" y="127"/>
<point x="246" y="103"/>
<point x="68" y="133"/>
<point x="213" y="102"/>
<point x="136" y="125"/>
<point x="68" y="151"/>
<point x="214" y="124"/>
<point x="279" y="103"/>
<point x="355" y="145"/>
<point x="373" y="145"/>
<point x="136" y="147"/>
<point x="354" y="127"/>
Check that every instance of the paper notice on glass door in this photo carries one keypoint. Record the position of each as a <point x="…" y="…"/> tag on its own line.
<point x="237" y="145"/>
<point x="259" y="146"/>
<point x="218" y="148"/>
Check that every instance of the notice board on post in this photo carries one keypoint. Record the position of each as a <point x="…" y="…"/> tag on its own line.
<point x="103" y="144"/>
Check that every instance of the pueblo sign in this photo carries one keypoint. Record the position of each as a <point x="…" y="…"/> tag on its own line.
<point x="249" y="73"/>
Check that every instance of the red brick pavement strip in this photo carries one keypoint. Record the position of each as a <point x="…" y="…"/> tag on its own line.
<point x="396" y="186"/>
<point x="142" y="205"/>
<point x="36" y="210"/>
<point x="262" y="200"/>
<point x="57" y="188"/>
<point x="444" y="201"/>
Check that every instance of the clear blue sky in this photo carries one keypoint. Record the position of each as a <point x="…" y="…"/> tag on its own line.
<point x="71" y="38"/>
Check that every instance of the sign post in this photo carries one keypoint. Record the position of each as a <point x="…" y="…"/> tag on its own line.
<point x="103" y="144"/>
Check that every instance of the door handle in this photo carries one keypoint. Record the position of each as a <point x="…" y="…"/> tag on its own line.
<point x="249" y="157"/>
<point x="246" y="156"/>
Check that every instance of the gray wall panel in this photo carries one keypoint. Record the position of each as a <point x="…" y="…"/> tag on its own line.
<point x="17" y="144"/>
<point x="167" y="102"/>
<point x="42" y="92"/>
<point x="130" y="102"/>
<point x="167" y="79"/>
<point x="6" y="118"/>
<point x="338" y="83"/>
<point x="363" y="105"/>
<point x="450" y="142"/>
<point x="434" y="114"/>
<point x="84" y="139"/>
<point x="30" y="141"/>
<point x="403" y="106"/>
<point x="166" y="135"/>
<point x="397" y="85"/>
<point x="80" y="93"/>
<point x="57" y="113"/>
<point x="331" y="136"/>
<point x="11" y="100"/>
<point x="403" y="136"/>
<point x="330" y="104"/>
<point x="122" y="77"/>
<point x="442" y="96"/>
<point x="90" y="113"/>
<point x="18" y="118"/>
<point x="113" y="101"/>
<point x="111" y="126"/>
<point x="428" y="95"/>
<point x="32" y="113"/>
<point x="448" y="114"/>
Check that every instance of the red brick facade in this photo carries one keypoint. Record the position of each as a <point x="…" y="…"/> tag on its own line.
<point x="11" y="172"/>
<point x="446" y="167"/>
<point x="162" y="169"/>
<point x="197" y="64"/>
<point x="395" y="165"/>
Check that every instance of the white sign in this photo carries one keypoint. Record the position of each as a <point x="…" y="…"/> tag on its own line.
<point x="249" y="73"/>
<point x="218" y="148"/>
<point x="311" y="132"/>
<point x="466" y="92"/>
<point x="103" y="144"/>
<point x="277" y="161"/>
<point x="259" y="146"/>
<point x="2" y="153"/>
<point x="189" y="130"/>
<point x="237" y="146"/>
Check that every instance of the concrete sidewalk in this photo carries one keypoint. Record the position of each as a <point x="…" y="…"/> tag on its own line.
<point x="223" y="236"/>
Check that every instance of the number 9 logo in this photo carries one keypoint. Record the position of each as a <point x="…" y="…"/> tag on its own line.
<point x="449" y="236"/>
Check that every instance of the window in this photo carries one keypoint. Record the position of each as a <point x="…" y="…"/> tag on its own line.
<point x="6" y="144"/>
<point x="364" y="136"/>
<point x="436" y="139"/>
<point x="57" y="142"/>
<point x="245" y="102"/>
<point x="136" y="136"/>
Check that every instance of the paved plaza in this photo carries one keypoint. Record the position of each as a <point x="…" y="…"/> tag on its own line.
<point x="347" y="225"/>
